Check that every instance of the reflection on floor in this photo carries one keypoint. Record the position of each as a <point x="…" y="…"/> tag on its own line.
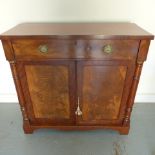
<point x="140" y="141"/>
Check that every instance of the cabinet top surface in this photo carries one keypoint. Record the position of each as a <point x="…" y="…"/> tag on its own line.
<point x="82" y="30"/>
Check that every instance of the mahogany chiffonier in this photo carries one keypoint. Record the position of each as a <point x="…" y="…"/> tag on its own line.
<point x="76" y="76"/>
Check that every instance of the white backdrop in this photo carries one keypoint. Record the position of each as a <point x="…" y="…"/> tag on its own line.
<point x="141" y="12"/>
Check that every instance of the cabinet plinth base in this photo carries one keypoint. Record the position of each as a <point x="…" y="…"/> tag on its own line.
<point x="123" y="130"/>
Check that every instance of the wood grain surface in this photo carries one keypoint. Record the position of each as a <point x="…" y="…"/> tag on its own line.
<point x="85" y="30"/>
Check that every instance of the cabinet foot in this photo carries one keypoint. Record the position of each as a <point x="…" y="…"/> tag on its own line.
<point x="27" y="128"/>
<point x="124" y="131"/>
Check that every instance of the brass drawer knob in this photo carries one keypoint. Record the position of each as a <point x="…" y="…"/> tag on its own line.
<point x="107" y="49"/>
<point x="43" y="48"/>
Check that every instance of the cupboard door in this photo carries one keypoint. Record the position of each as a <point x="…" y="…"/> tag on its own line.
<point x="49" y="91"/>
<point x="103" y="88"/>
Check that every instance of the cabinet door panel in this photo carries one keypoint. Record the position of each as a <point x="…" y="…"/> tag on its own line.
<point x="47" y="89"/>
<point x="103" y="89"/>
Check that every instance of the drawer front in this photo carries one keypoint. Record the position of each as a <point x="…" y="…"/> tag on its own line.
<point x="43" y="49"/>
<point x="88" y="49"/>
<point x="108" y="49"/>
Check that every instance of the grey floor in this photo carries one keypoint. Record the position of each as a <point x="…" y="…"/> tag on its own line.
<point x="140" y="141"/>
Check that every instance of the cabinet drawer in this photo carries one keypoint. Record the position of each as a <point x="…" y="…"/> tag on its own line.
<point x="108" y="49"/>
<point x="43" y="48"/>
<point x="65" y="48"/>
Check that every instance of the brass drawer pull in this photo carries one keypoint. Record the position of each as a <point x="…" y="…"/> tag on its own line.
<point x="43" y="48"/>
<point x="78" y="111"/>
<point x="107" y="49"/>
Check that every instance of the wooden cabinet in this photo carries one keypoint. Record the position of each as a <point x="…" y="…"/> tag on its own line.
<point x="76" y="76"/>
